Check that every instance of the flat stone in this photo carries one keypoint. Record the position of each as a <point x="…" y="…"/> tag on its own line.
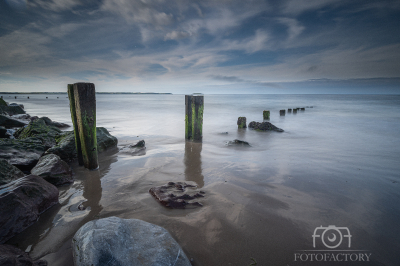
<point x="12" y="256"/>
<point x="8" y="172"/>
<point x="21" y="203"/>
<point x="121" y="242"/>
<point x="177" y="195"/>
<point x="54" y="170"/>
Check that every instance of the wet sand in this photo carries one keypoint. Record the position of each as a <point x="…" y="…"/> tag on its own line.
<point x="261" y="202"/>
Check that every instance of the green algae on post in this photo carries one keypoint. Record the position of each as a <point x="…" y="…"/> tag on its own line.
<point x="266" y="114"/>
<point x="241" y="122"/>
<point x="194" y="109"/>
<point x="74" y="122"/>
<point x="85" y="105"/>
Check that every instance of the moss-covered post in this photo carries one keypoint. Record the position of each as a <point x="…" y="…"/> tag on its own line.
<point x="194" y="108"/>
<point x="289" y="110"/>
<point x="266" y="114"/>
<point x="85" y="104"/>
<point x="294" y="111"/>
<point x="282" y="112"/>
<point x="241" y="122"/>
<point x="74" y="122"/>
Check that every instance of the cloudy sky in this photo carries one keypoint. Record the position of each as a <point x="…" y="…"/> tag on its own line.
<point x="208" y="46"/>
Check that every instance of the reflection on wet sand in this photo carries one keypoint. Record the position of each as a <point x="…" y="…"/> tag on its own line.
<point x="192" y="160"/>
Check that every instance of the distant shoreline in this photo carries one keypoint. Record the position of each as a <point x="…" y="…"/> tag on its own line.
<point x="96" y="93"/>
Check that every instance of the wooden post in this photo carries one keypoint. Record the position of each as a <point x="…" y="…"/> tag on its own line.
<point x="85" y="104"/>
<point x="294" y="111"/>
<point x="74" y="122"/>
<point x="241" y="122"/>
<point x="266" y="114"/>
<point x="282" y="112"/>
<point x="194" y="108"/>
<point x="303" y="109"/>
<point x="289" y="110"/>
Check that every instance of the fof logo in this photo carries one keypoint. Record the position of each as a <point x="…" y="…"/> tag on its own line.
<point x="331" y="236"/>
<point x="329" y="244"/>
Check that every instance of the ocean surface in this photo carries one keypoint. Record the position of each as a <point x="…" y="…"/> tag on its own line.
<point x="335" y="164"/>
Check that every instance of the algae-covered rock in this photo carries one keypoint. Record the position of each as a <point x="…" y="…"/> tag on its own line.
<point x="238" y="142"/>
<point x="23" y="154"/>
<point x="125" y="242"/>
<point x="264" y="126"/>
<point x="8" y="122"/>
<point x="12" y="109"/>
<point x="21" y="203"/>
<point x="66" y="149"/>
<point x="8" y="172"/>
<point x="54" y="170"/>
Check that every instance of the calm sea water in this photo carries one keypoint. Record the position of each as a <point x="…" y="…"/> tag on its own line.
<point x="335" y="164"/>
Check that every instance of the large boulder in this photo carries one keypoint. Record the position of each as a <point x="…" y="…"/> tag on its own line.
<point x="8" y="122"/>
<point x="12" y="109"/>
<point x="115" y="241"/>
<point x="53" y="170"/>
<point x="12" y="256"/>
<point x="21" y="203"/>
<point x="264" y="126"/>
<point x="3" y="132"/>
<point x="66" y="149"/>
<point x="23" y="154"/>
<point x="40" y="129"/>
<point x="8" y="172"/>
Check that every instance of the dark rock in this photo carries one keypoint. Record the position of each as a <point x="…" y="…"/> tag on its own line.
<point x="23" y="154"/>
<point x="21" y="203"/>
<point x="8" y="122"/>
<point x="53" y="170"/>
<point x="241" y="122"/>
<point x="139" y="144"/>
<point x="172" y="195"/>
<point x="264" y="126"/>
<point x="22" y="116"/>
<point x="66" y="149"/>
<point x="34" y="118"/>
<point x="2" y="102"/>
<point x="8" y="172"/>
<point x="12" y="109"/>
<point x="3" y="132"/>
<point x="16" y="104"/>
<point x="137" y="149"/>
<point x="123" y="242"/>
<point x="238" y="142"/>
<point x="12" y="256"/>
<point x="49" y="122"/>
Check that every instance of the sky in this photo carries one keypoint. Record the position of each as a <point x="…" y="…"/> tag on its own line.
<point x="207" y="46"/>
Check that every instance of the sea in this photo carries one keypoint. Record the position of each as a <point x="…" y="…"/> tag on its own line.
<point x="326" y="191"/>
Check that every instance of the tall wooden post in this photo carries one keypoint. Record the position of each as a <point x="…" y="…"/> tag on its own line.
<point x="74" y="122"/>
<point x="241" y="122"/>
<point x="194" y="108"/>
<point x="266" y="114"/>
<point x="85" y="104"/>
<point x="282" y="112"/>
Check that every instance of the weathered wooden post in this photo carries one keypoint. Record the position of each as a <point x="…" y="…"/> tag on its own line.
<point x="282" y="112"/>
<point x="194" y="108"/>
<point x="303" y="109"/>
<point x="241" y="122"/>
<point x="266" y="114"/>
<point x="85" y="105"/>
<point x="294" y="111"/>
<point x="74" y="122"/>
<point x="289" y="110"/>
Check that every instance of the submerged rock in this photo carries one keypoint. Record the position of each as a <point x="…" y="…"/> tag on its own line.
<point x="137" y="149"/>
<point x="174" y="195"/>
<point x="264" y="126"/>
<point x="23" y="154"/>
<point x="8" y="172"/>
<point x="123" y="242"/>
<point x="54" y="170"/>
<point x="21" y="203"/>
<point x="238" y="142"/>
<point x="13" y="256"/>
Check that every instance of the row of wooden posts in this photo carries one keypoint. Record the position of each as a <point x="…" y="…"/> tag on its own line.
<point x="82" y="99"/>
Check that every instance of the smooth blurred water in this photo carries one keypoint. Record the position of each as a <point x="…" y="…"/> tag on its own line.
<point x="336" y="163"/>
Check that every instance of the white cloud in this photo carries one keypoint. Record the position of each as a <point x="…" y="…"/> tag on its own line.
<point x="296" y="7"/>
<point x="294" y="28"/>
<point x="176" y="35"/>
<point x="250" y="45"/>
<point x="55" y="5"/>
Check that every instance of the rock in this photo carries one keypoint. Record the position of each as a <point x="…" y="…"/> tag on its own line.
<point x="66" y="149"/>
<point x="22" y="116"/>
<point x="23" y="154"/>
<point x="264" y="126"/>
<point x="8" y="122"/>
<point x="13" y="256"/>
<point x="139" y="144"/>
<point x="2" y="102"/>
<point x="172" y="195"/>
<point x="123" y="242"/>
<point x="49" y="122"/>
<point x="3" y="132"/>
<point x="238" y="142"/>
<point x="8" y="172"/>
<point x="21" y="203"/>
<point x="16" y="104"/>
<point x="241" y="122"/>
<point x="12" y="109"/>
<point x="137" y="149"/>
<point x="54" y="170"/>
